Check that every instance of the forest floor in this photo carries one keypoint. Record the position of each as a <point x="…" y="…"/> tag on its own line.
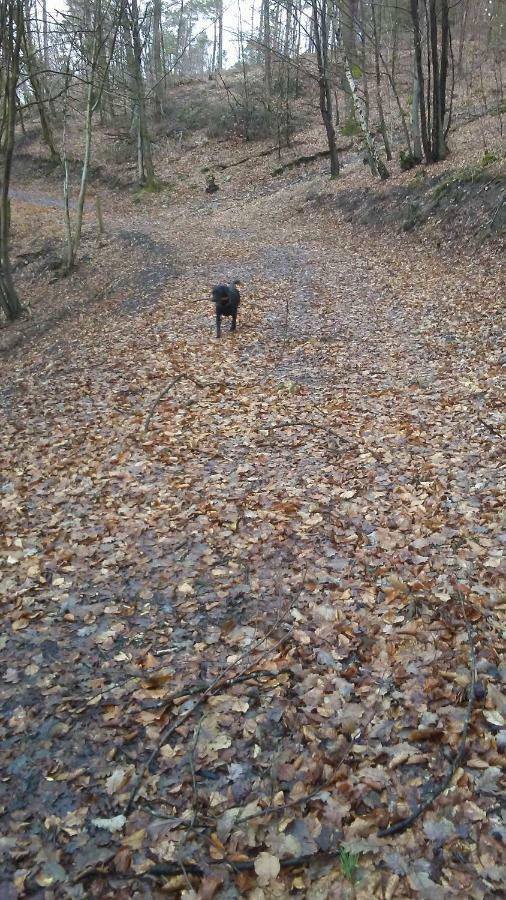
<point x="247" y="582"/>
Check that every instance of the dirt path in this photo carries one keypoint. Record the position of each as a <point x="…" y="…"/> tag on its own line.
<point x="307" y="502"/>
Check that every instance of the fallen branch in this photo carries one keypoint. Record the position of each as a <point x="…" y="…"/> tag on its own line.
<point x="167" y="388"/>
<point x="311" y="157"/>
<point x="445" y="784"/>
<point x="205" y="686"/>
<point x="218" y="685"/>
<point x="241" y="865"/>
<point x="336" y="438"/>
<point x="491" y="428"/>
<point x="300" y="801"/>
<point x="245" y="159"/>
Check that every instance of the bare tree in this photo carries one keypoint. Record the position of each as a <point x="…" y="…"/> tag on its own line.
<point x="145" y="167"/>
<point x="320" y="37"/>
<point x="432" y="85"/>
<point x="376" y="23"/>
<point x="35" y="66"/>
<point x="266" y="38"/>
<point x="101" y="14"/>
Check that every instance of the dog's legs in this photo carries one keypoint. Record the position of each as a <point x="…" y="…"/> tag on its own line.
<point x="234" y="321"/>
<point x="218" y="324"/>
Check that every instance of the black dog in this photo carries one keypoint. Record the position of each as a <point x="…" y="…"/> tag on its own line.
<point x="226" y="298"/>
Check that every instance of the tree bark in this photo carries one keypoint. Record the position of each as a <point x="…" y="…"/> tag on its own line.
<point x="417" y="43"/>
<point x="220" y="35"/>
<point x="145" y="167"/>
<point x="267" y="52"/>
<point x="12" y="25"/>
<point x="442" y="149"/>
<point x="379" y="99"/>
<point x="37" y="83"/>
<point x="415" y="119"/>
<point x="347" y="20"/>
<point x="157" y="59"/>
<point x="321" y="45"/>
<point x="378" y="167"/>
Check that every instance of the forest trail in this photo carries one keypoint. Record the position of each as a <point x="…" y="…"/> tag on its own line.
<point x="304" y="500"/>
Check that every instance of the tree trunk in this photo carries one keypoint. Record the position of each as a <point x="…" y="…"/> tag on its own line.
<point x="288" y="30"/>
<point x="145" y="167"/>
<point x="96" y="82"/>
<point x="415" y="119"/>
<point x="442" y="149"/>
<point x="74" y="244"/>
<point x="157" y="59"/>
<point x="179" y="39"/>
<point x="220" y="34"/>
<point x="347" y="20"/>
<point x="267" y="52"/>
<point x="321" y="45"/>
<point x="417" y="43"/>
<point x="379" y="99"/>
<point x="378" y="167"/>
<point x="36" y="81"/>
<point x="45" y="36"/>
<point x="11" y="46"/>
<point x="363" y="60"/>
<point x="215" y="45"/>
<point x="462" y="36"/>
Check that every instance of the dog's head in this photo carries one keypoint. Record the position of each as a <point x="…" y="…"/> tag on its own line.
<point x="219" y="293"/>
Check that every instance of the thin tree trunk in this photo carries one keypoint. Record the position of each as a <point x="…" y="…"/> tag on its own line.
<point x="378" y="167"/>
<point x="220" y="35"/>
<point x="76" y="240"/>
<point x="157" y="58"/>
<point x="379" y="99"/>
<point x="462" y="36"/>
<point x="36" y="81"/>
<point x="93" y="97"/>
<point x="417" y="43"/>
<point x="267" y="53"/>
<point x="145" y="167"/>
<point x="348" y="13"/>
<point x="363" y="60"/>
<point x="288" y="29"/>
<point x="437" y="125"/>
<point x="442" y="149"/>
<point x="215" y="45"/>
<point x="321" y="42"/>
<point x="415" y="119"/>
<point x="13" y="34"/>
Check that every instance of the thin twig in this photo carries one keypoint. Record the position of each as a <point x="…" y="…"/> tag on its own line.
<point x="336" y="438"/>
<point x="445" y="784"/>
<point x="242" y="865"/>
<point x="491" y="428"/>
<point x="206" y="686"/>
<point x="218" y="684"/>
<point x="299" y="801"/>
<point x="167" y="388"/>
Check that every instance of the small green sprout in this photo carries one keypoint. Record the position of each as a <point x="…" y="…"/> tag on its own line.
<point x="349" y="864"/>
